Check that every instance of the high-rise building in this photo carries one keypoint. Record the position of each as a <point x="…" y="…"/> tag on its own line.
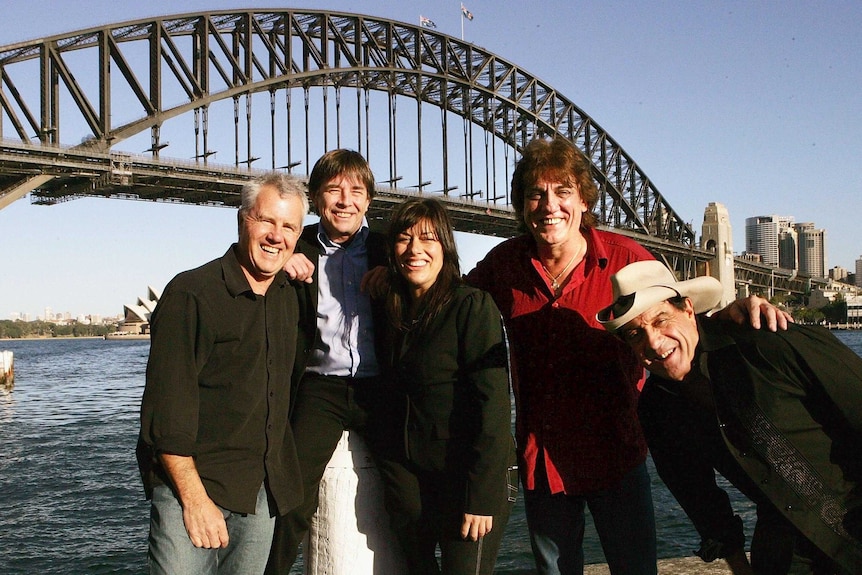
<point x="812" y="250"/>
<point x="788" y="249"/>
<point x="859" y="272"/>
<point x="838" y="274"/>
<point x="762" y="236"/>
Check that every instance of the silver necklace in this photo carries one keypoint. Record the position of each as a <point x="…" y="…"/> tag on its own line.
<point x="555" y="285"/>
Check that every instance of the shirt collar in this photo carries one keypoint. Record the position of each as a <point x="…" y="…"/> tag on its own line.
<point x="234" y="278"/>
<point x="325" y="242"/>
<point x="596" y="252"/>
<point x="711" y="333"/>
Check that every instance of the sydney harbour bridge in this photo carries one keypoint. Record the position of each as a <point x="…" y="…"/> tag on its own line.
<point x="186" y="108"/>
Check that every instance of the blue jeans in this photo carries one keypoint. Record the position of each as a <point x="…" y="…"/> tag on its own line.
<point x="171" y="551"/>
<point x="624" y="520"/>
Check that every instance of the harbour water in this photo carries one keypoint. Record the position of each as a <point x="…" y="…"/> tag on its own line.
<point x="70" y="496"/>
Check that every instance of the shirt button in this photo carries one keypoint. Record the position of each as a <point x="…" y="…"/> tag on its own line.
<point x="555" y="305"/>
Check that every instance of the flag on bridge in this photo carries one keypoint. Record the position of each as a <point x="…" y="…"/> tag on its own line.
<point x="467" y="14"/>
<point x="426" y="22"/>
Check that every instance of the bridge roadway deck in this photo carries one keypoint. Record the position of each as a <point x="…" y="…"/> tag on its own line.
<point x="57" y="174"/>
<point x="81" y="171"/>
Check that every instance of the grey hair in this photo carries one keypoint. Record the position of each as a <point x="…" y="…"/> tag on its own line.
<point x="285" y="185"/>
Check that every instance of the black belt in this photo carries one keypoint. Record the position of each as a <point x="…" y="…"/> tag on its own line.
<point x="349" y="379"/>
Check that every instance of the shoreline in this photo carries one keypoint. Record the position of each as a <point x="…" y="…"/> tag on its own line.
<point x="679" y="566"/>
<point x="44" y="337"/>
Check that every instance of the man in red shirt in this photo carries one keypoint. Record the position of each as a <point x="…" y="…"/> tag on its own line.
<point x="576" y="386"/>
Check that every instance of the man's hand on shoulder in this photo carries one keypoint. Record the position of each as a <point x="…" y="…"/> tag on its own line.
<point x="375" y="282"/>
<point x="749" y="311"/>
<point x="299" y="268"/>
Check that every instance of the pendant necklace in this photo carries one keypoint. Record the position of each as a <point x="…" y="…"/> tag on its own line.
<point x="555" y="284"/>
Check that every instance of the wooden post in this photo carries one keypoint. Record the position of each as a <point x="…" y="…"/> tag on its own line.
<point x="350" y="532"/>
<point x="7" y="370"/>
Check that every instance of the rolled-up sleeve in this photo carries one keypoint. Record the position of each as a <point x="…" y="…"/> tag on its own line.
<point x="179" y="347"/>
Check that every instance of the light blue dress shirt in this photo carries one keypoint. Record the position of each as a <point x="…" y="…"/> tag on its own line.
<point x="344" y="319"/>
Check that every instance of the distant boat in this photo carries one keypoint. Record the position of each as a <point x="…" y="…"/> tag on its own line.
<point x="126" y="335"/>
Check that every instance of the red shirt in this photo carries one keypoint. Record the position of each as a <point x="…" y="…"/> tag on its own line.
<point x="576" y="385"/>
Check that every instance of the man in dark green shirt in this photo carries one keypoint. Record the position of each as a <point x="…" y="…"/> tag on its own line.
<point x="779" y="415"/>
<point x="216" y="452"/>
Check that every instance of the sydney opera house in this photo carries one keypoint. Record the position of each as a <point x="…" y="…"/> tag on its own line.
<point x="136" y="318"/>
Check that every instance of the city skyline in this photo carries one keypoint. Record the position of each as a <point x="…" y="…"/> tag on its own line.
<point x="754" y="106"/>
<point x="780" y="241"/>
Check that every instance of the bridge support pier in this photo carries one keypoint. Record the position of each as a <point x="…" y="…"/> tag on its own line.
<point x="350" y="532"/>
<point x="7" y="370"/>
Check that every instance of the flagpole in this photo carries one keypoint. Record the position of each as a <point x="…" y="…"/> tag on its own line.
<point x="462" y="25"/>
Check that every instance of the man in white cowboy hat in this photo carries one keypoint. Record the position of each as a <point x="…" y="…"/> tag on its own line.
<point x="778" y="414"/>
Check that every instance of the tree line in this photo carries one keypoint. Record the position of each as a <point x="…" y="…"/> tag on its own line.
<point x="20" y="329"/>
<point x="833" y="312"/>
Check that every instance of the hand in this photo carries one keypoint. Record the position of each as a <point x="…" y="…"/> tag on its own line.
<point x="375" y="282"/>
<point x="738" y="563"/>
<point x="299" y="268"/>
<point x="205" y="524"/>
<point x="749" y="310"/>
<point x="203" y="520"/>
<point x="475" y="527"/>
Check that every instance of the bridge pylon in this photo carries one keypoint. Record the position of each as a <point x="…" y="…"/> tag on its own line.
<point x="716" y="236"/>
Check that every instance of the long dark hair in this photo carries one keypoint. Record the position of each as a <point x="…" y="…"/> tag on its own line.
<point x="433" y="213"/>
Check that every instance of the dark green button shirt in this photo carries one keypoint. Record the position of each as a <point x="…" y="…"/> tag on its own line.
<point x="218" y="384"/>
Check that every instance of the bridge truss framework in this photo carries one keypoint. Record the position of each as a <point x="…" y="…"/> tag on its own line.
<point x="283" y="86"/>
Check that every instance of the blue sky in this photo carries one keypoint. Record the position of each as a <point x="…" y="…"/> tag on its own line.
<point x="755" y="105"/>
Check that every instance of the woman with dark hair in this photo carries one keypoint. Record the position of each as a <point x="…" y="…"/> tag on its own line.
<point x="446" y="469"/>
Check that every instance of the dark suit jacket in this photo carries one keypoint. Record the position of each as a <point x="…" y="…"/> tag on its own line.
<point x="788" y="407"/>
<point x="307" y="293"/>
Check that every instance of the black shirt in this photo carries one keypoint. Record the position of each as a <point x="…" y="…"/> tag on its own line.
<point x="218" y="384"/>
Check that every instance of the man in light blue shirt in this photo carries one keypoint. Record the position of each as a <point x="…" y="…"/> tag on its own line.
<point x="340" y="387"/>
<point x="344" y="317"/>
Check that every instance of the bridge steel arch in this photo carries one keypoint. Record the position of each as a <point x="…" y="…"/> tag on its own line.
<point x="123" y="80"/>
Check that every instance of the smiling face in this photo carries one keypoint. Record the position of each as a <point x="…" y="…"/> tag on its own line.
<point x="664" y="339"/>
<point x="553" y="212"/>
<point x="267" y="235"/>
<point x="342" y="203"/>
<point x="419" y="257"/>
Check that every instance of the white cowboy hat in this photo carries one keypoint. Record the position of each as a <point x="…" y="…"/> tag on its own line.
<point x="641" y="285"/>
